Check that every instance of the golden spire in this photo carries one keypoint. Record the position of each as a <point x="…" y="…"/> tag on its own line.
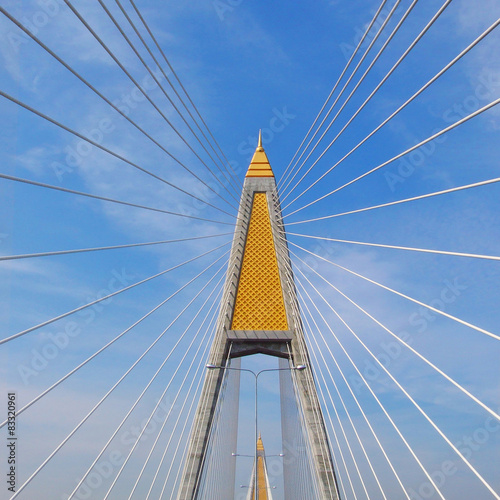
<point x="260" y="444"/>
<point x="262" y="482"/>
<point x="259" y="145"/>
<point x="259" y="166"/>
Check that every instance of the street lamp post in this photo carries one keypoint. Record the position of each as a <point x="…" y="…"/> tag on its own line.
<point x="256" y="375"/>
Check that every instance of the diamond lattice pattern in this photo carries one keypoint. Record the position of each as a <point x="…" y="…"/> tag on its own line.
<point x="259" y="300"/>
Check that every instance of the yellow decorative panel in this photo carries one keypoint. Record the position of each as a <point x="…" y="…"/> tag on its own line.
<point x="259" y="299"/>
<point x="261" y="480"/>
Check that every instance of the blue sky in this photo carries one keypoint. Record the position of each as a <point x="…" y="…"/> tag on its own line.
<point x="249" y="66"/>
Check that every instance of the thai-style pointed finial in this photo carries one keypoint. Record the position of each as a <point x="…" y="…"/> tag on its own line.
<point x="259" y="145"/>
<point x="260" y="444"/>
<point x="259" y="166"/>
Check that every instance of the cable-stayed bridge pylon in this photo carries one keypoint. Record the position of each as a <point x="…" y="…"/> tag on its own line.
<point x="259" y="314"/>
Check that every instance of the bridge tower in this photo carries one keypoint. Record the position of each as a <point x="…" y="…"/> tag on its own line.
<point x="262" y="482"/>
<point x="259" y="314"/>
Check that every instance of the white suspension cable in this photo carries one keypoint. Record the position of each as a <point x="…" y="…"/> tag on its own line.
<point x="188" y="371"/>
<point x="230" y="171"/>
<point x="90" y="358"/>
<point x="346" y="468"/>
<point x="318" y="417"/>
<point x="315" y="478"/>
<point x="90" y="413"/>
<point x="138" y="439"/>
<point x="94" y="89"/>
<point x="311" y="388"/>
<point x="193" y="432"/>
<point x="295" y="305"/>
<point x="432" y="80"/>
<point x="160" y="86"/>
<point x="150" y="52"/>
<point x="400" y="155"/>
<point x="426" y="416"/>
<point x="292" y="434"/>
<point x="208" y="485"/>
<point x="188" y="417"/>
<point x="68" y="313"/>
<point x="114" y="247"/>
<point x="372" y="43"/>
<point x="411" y="299"/>
<point x="399" y="61"/>
<point x="398" y="202"/>
<point x="327" y="411"/>
<point x="413" y="249"/>
<point x="325" y="451"/>
<point x="139" y="87"/>
<point x="367" y="30"/>
<point x="209" y="481"/>
<point x="382" y="449"/>
<point x="152" y="379"/>
<point x="410" y="449"/>
<point x="106" y="150"/>
<point x="196" y="376"/>
<point x="186" y="446"/>
<point x="345" y="410"/>
<point x="313" y="337"/>
<point x="103" y="198"/>
<point x="423" y="358"/>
